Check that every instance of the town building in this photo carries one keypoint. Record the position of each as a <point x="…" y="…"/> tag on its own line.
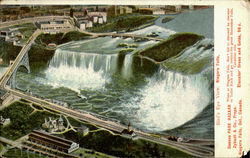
<point x="55" y="125"/>
<point x="146" y="10"/>
<point x="158" y="12"/>
<point x="124" y="10"/>
<point x="51" y="141"/>
<point x="54" y="25"/>
<point x="97" y="15"/>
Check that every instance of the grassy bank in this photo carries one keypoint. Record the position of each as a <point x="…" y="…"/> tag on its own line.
<point x="124" y="23"/>
<point x="170" y="47"/>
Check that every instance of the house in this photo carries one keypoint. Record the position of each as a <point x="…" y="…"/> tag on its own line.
<point x="57" y="143"/>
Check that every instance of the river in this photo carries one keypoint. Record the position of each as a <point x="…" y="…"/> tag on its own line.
<point x="92" y="76"/>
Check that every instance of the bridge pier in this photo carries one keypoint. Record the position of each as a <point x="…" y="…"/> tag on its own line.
<point x="25" y="63"/>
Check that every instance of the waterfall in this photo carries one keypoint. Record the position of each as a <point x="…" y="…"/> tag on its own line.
<point x="169" y="100"/>
<point x="173" y="96"/>
<point x="127" y="66"/>
<point x="77" y="71"/>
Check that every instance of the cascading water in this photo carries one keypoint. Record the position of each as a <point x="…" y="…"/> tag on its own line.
<point x="126" y="70"/>
<point x="171" y="98"/>
<point x="79" y="70"/>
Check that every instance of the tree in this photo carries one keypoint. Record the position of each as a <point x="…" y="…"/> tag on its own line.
<point x="71" y="12"/>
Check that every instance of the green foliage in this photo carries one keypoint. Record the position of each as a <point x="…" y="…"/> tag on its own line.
<point x="22" y="122"/>
<point x="172" y="46"/>
<point x="39" y="57"/>
<point x="116" y="145"/>
<point x="73" y="36"/>
<point x="60" y="38"/>
<point x="126" y="50"/>
<point x="167" y="19"/>
<point x="122" y="45"/>
<point x="127" y="23"/>
<point x="8" y="51"/>
<point x="1" y="147"/>
<point x="134" y="45"/>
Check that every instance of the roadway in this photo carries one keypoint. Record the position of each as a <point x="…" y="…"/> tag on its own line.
<point x="193" y="149"/>
<point x="47" y="18"/>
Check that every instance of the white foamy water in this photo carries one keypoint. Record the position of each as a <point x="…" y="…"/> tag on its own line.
<point x="162" y="32"/>
<point x="169" y="100"/>
<point x="79" y="70"/>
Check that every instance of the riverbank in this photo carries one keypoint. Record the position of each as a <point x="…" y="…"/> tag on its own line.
<point x="125" y="23"/>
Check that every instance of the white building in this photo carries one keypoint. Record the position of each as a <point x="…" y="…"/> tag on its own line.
<point x="98" y="14"/>
<point x="83" y="25"/>
<point x="54" y="25"/>
<point x="100" y="20"/>
<point x="89" y="24"/>
<point x="95" y="19"/>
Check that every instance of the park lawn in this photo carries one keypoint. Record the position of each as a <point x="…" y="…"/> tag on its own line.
<point x="22" y="121"/>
